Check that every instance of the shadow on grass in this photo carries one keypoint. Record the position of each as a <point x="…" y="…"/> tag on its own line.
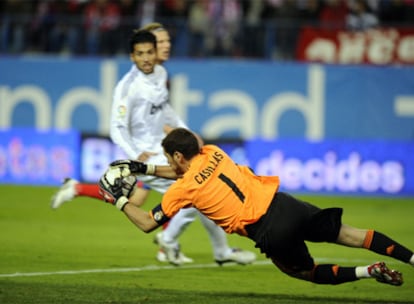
<point x="56" y="293"/>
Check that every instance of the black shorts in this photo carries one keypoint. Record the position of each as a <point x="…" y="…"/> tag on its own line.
<point x="282" y="231"/>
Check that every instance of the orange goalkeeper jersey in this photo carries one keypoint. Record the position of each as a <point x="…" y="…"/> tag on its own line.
<point x="230" y="195"/>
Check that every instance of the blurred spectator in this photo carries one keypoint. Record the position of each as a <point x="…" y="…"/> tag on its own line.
<point x="174" y="8"/>
<point x="225" y="19"/>
<point x="309" y="11"/>
<point x="14" y="24"/>
<point x="129" y="10"/>
<point x="396" y="12"/>
<point x="198" y="26"/>
<point x="253" y="29"/>
<point x="333" y="14"/>
<point x="360" y="17"/>
<point x="174" y="15"/>
<point x="288" y="30"/>
<point x="270" y="8"/>
<point x="43" y="21"/>
<point x="102" y="20"/>
<point x="283" y="25"/>
<point x="66" y="35"/>
<point x="148" y="10"/>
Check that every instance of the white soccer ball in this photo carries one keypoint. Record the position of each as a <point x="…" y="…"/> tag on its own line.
<point x="128" y="185"/>
<point x="114" y="175"/>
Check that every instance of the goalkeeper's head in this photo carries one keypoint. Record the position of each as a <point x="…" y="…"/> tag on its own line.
<point x="180" y="146"/>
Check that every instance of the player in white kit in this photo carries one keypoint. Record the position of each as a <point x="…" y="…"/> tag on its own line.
<point x="140" y="116"/>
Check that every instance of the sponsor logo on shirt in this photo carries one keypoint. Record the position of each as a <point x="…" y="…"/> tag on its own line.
<point x="122" y="110"/>
<point x="156" y="108"/>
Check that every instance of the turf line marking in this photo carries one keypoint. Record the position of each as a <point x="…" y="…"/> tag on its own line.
<point x="132" y="269"/>
<point x="164" y="267"/>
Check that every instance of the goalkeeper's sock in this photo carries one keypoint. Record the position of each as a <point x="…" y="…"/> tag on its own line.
<point x="89" y="190"/>
<point x="362" y="271"/>
<point x="382" y="244"/>
<point x="333" y="274"/>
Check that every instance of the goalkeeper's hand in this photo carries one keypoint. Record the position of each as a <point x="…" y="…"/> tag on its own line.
<point x="129" y="167"/>
<point x="112" y="187"/>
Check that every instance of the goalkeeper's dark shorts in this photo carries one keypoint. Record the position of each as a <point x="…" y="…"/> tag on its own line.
<point x="282" y="231"/>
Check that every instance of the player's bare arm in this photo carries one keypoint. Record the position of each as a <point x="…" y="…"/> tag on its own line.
<point x="165" y="172"/>
<point x="144" y="156"/>
<point x="112" y="187"/>
<point x="167" y="129"/>
<point x="140" y="218"/>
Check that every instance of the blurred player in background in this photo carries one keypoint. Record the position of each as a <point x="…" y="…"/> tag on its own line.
<point x="252" y="206"/>
<point x="141" y="115"/>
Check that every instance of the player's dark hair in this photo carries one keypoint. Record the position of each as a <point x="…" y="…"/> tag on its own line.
<point x="141" y="36"/>
<point x="183" y="141"/>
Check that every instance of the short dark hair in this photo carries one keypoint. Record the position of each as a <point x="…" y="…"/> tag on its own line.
<point x="183" y="141"/>
<point x="141" y="36"/>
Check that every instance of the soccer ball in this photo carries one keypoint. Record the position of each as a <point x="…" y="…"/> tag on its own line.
<point x="128" y="185"/>
<point x="116" y="181"/>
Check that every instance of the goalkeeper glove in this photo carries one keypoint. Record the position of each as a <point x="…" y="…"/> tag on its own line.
<point x="129" y="167"/>
<point x="111" y="187"/>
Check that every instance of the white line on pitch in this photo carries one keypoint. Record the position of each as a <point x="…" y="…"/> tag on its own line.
<point x="158" y="268"/>
<point x="131" y="269"/>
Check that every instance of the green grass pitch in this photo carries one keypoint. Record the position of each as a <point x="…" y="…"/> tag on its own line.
<point x="88" y="252"/>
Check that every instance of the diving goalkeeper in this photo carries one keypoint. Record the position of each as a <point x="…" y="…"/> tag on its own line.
<point x="241" y="202"/>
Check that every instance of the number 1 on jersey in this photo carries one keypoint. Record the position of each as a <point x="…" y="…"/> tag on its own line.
<point x="232" y="186"/>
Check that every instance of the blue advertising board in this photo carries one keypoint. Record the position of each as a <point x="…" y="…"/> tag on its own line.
<point x="333" y="166"/>
<point x="33" y="157"/>
<point x="29" y="156"/>
<point x="330" y="166"/>
<point x="219" y="99"/>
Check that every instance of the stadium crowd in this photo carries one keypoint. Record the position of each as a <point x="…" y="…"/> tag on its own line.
<point x="199" y="28"/>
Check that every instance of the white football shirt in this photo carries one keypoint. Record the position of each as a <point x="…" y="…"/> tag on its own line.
<point x="139" y="112"/>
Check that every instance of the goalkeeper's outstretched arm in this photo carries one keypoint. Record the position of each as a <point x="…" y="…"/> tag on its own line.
<point x="140" y="218"/>
<point x="127" y="167"/>
<point x="165" y="172"/>
<point x="112" y="188"/>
